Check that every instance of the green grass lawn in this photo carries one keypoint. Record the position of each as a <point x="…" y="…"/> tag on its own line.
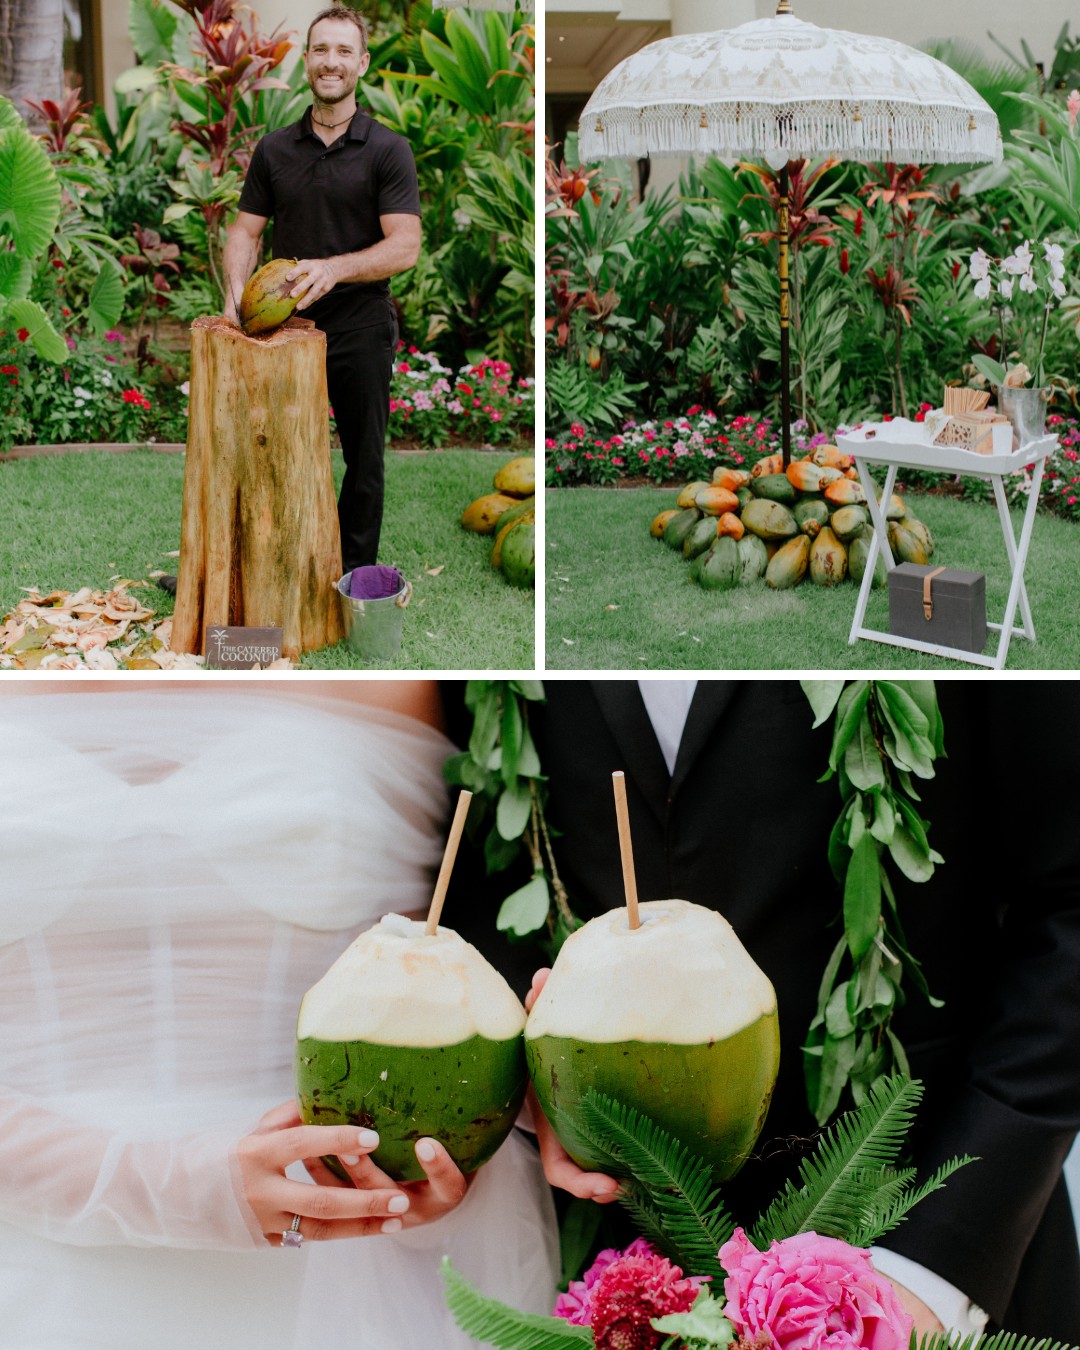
<point x="617" y="599"/>
<point x="80" y="519"/>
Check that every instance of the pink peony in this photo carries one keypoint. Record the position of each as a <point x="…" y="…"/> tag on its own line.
<point x="811" y="1293"/>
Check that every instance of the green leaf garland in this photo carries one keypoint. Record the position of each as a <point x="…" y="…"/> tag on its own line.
<point x="886" y="734"/>
<point x="501" y="768"/>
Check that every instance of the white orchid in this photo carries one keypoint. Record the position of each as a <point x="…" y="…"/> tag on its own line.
<point x="980" y="265"/>
<point x="1019" y="262"/>
<point x="1055" y="257"/>
<point x="1004" y="282"/>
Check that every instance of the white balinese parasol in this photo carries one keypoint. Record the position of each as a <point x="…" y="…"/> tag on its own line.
<point x="781" y="89"/>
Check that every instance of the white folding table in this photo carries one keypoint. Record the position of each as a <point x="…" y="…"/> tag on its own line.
<point x="877" y="448"/>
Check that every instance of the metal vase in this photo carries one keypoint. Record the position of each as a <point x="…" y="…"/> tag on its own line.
<point x="1026" y="410"/>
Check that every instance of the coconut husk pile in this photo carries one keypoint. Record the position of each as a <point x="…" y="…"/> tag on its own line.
<point x="91" y="630"/>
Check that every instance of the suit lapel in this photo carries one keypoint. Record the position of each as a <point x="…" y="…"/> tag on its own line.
<point x="628" y="721"/>
<point x="710" y="702"/>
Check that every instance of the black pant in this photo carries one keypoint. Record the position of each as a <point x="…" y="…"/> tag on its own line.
<point x="359" y="363"/>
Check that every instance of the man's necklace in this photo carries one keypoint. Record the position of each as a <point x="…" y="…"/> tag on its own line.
<point x="331" y="126"/>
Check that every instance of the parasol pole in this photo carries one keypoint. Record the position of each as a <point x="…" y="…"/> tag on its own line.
<point x="784" y="7"/>
<point x="785" y="316"/>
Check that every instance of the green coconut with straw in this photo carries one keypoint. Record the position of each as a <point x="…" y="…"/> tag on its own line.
<point x="659" y="1006"/>
<point x="412" y="1033"/>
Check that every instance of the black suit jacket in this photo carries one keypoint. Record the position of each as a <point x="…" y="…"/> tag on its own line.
<point x="742" y="824"/>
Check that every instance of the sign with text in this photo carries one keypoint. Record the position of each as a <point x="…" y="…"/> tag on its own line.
<point x="241" y="648"/>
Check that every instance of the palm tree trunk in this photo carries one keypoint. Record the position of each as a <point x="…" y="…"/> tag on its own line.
<point x="31" y="50"/>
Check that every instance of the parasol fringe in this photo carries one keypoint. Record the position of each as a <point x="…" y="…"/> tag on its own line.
<point x="889" y="132"/>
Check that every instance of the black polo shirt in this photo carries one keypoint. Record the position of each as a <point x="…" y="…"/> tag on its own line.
<point x="327" y="199"/>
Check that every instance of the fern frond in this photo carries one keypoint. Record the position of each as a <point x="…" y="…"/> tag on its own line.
<point x="849" y="1166"/>
<point x="882" y="1219"/>
<point x="673" y="1181"/>
<point x="646" y="1216"/>
<point x="500" y="1325"/>
<point x="997" y="1340"/>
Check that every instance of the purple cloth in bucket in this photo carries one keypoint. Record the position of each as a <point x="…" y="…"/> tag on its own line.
<point x="378" y="582"/>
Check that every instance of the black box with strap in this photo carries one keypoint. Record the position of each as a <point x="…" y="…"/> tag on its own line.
<point x="938" y="605"/>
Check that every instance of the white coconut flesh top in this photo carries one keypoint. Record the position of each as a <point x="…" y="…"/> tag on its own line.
<point x="682" y="977"/>
<point x="396" y="986"/>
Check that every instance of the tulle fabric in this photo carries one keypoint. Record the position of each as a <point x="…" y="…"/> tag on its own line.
<point x="178" y="869"/>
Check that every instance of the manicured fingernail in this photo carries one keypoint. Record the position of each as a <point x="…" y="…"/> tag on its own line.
<point x="349" y="1159"/>
<point x="368" y="1139"/>
<point x="425" y="1150"/>
<point x="392" y="1226"/>
<point x="398" y="1204"/>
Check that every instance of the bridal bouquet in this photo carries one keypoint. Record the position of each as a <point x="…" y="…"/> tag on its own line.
<point x="1022" y="289"/>
<point x="798" y="1278"/>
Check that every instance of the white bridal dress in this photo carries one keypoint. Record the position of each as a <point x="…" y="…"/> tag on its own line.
<point x="178" y="868"/>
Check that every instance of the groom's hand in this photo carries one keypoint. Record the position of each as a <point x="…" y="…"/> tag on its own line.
<point x="314" y="277"/>
<point x="559" y="1168"/>
<point x="926" y="1322"/>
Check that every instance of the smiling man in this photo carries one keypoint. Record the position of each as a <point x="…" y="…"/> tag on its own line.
<point x="341" y="191"/>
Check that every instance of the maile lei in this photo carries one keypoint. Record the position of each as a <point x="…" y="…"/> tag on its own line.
<point x="887" y="734"/>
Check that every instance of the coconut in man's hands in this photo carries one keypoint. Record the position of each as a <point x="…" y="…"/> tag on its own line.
<point x="412" y="1036"/>
<point x="673" y="1018"/>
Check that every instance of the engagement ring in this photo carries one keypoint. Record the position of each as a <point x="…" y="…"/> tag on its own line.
<point x="292" y="1237"/>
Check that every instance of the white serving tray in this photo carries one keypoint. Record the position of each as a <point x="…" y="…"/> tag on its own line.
<point x="911" y="446"/>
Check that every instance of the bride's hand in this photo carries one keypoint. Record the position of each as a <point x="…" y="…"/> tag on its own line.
<point x="559" y="1168"/>
<point x="406" y="1204"/>
<point x="374" y="1206"/>
<point x="429" y="1200"/>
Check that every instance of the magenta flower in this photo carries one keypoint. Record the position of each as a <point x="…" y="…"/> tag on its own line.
<point x="811" y="1293"/>
<point x="622" y="1292"/>
<point x="576" y="1304"/>
<point x="630" y="1294"/>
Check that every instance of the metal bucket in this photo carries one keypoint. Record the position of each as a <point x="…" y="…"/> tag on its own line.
<point x="373" y="627"/>
<point x="1026" y="410"/>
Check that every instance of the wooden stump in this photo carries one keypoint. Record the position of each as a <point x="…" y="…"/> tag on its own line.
<point x="259" y="541"/>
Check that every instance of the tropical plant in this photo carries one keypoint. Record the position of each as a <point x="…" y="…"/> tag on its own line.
<point x="212" y="197"/>
<point x="149" y="263"/>
<point x="498" y="198"/>
<point x="460" y="88"/>
<point x="29" y="212"/>
<point x="480" y="67"/>
<point x="235" y="65"/>
<point x="576" y="396"/>
<point x="1064" y="72"/>
<point x="1049" y="161"/>
<point x="815" y="343"/>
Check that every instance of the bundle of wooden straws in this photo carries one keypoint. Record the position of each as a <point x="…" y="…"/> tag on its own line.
<point x="970" y="421"/>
